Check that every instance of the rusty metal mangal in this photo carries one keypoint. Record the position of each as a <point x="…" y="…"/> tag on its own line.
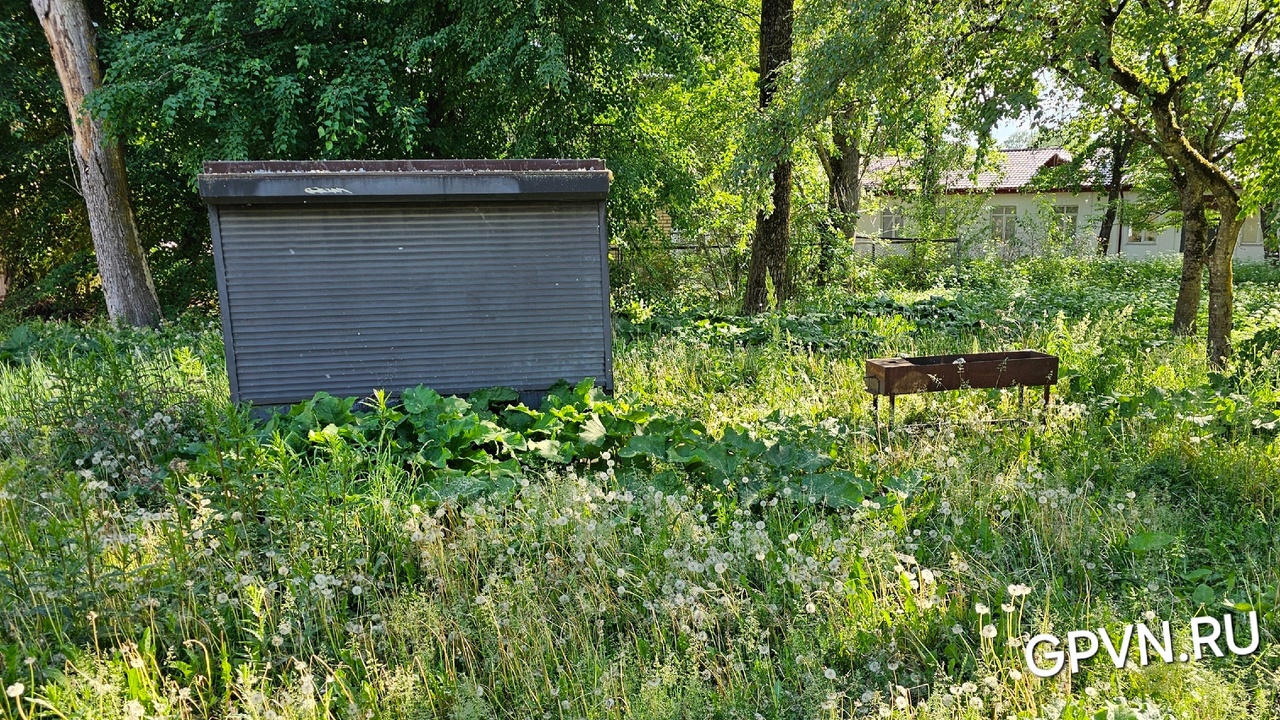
<point x="935" y="373"/>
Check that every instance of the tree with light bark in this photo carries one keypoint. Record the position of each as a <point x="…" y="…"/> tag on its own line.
<point x="122" y="265"/>
<point x="1185" y="79"/>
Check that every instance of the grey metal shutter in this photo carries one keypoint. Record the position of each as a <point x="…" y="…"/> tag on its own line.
<point x="351" y="298"/>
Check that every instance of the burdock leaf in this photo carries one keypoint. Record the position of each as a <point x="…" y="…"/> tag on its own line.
<point x="1203" y="595"/>
<point x="1146" y="541"/>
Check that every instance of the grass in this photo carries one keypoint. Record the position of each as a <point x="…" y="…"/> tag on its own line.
<point x="161" y="555"/>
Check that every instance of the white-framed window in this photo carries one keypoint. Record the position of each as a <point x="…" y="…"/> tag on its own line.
<point x="1068" y="218"/>
<point x="1004" y="222"/>
<point x="1142" y="237"/>
<point x="1248" y="237"/>
<point x="891" y="223"/>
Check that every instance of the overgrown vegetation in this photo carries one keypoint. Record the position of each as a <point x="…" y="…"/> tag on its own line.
<point x="729" y="536"/>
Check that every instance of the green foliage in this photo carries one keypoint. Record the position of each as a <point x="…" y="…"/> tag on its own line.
<point x="735" y="511"/>
<point x="189" y="82"/>
<point x="462" y="449"/>
<point x="397" y="79"/>
<point x="43" y="232"/>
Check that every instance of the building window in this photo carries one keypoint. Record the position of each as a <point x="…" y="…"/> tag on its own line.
<point x="1004" y="222"/>
<point x="891" y="223"/>
<point x="1068" y="219"/>
<point x="1142" y="237"/>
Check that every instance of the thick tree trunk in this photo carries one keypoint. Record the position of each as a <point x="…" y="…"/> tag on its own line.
<point x="1221" y="291"/>
<point x="1173" y="144"/>
<point x="845" y="197"/>
<point x="770" y="245"/>
<point x="1115" y="186"/>
<point x="1195" y="232"/>
<point x="126" y="280"/>
<point x="844" y="188"/>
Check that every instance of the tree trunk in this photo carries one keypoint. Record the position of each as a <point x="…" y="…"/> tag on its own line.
<point x="1221" y="291"/>
<point x="1195" y="233"/>
<point x="846" y="180"/>
<point x="843" y="169"/>
<point x="769" y="247"/>
<point x="1265" y="218"/>
<point x="1120" y="147"/>
<point x="772" y="238"/>
<point x="126" y="280"/>
<point x="830" y="234"/>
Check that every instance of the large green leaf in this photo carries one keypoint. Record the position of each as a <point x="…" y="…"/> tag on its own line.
<point x="837" y="488"/>
<point x="420" y="399"/>
<point x="549" y="449"/>
<point x="1147" y="541"/>
<point x="593" y="431"/>
<point x="655" y="446"/>
<point x="790" y="458"/>
<point x="489" y="398"/>
<point x="1203" y="595"/>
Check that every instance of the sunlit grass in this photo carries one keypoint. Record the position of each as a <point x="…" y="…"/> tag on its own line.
<point x="141" y="578"/>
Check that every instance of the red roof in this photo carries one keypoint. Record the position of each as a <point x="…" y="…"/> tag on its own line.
<point x="1014" y="170"/>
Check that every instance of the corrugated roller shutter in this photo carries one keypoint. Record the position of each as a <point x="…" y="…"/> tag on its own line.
<point x="348" y="299"/>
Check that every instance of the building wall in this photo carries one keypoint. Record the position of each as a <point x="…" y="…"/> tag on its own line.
<point x="1031" y="211"/>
